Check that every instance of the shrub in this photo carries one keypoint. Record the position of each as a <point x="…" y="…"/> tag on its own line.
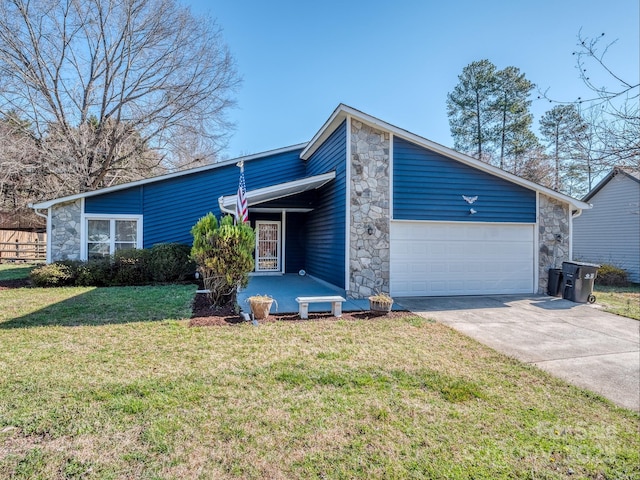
<point x="612" y="276"/>
<point x="171" y="262"/>
<point x="52" y="275"/>
<point x="95" y="273"/>
<point x="224" y="254"/>
<point x="131" y="267"/>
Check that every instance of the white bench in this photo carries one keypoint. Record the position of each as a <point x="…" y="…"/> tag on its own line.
<point x="335" y="301"/>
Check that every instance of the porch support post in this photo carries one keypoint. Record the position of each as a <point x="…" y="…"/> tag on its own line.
<point x="283" y="234"/>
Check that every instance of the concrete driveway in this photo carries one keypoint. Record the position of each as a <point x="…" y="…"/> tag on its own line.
<point x="579" y="343"/>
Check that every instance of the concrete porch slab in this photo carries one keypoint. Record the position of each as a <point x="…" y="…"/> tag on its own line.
<point x="285" y="288"/>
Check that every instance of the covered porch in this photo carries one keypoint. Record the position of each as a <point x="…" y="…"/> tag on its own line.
<point x="299" y="227"/>
<point x="285" y="288"/>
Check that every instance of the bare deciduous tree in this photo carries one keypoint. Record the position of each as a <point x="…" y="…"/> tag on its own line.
<point x="618" y="117"/>
<point x="111" y="87"/>
<point x="611" y="113"/>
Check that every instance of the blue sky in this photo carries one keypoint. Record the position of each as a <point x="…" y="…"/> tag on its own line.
<point x="398" y="60"/>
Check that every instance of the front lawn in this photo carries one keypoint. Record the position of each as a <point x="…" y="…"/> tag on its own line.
<point x="99" y="383"/>
<point x="623" y="301"/>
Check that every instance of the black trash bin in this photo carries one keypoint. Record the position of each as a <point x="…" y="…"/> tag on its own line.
<point x="554" y="286"/>
<point x="577" y="284"/>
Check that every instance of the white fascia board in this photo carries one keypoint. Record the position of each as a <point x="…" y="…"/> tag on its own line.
<point x="168" y="176"/>
<point x="273" y="192"/>
<point x="343" y="111"/>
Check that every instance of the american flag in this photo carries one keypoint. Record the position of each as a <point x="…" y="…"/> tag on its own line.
<point x="242" y="210"/>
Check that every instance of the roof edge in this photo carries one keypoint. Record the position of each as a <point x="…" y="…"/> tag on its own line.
<point x="180" y="173"/>
<point x="343" y="111"/>
<point x="275" y="191"/>
<point x="614" y="171"/>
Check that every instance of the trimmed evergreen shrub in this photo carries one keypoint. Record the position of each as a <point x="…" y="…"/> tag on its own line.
<point x="171" y="262"/>
<point x="168" y="262"/>
<point x="224" y="255"/>
<point x="95" y="273"/>
<point x="610" y="275"/>
<point x="131" y="267"/>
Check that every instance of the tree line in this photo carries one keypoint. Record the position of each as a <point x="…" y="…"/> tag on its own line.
<point x="490" y="119"/>
<point x="99" y="92"/>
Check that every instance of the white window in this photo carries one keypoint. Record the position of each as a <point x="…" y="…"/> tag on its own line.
<point x="106" y="236"/>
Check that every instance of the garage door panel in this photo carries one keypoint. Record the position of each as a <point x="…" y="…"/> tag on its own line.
<point x="461" y="259"/>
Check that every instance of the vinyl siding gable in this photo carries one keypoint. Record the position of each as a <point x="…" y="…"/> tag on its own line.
<point x="430" y="186"/>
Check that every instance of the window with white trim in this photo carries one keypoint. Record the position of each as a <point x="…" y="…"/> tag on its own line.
<point x="106" y="236"/>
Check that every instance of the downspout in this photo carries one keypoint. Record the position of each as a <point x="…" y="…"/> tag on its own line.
<point x="573" y="215"/>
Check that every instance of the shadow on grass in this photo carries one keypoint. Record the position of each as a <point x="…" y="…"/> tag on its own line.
<point x="19" y="272"/>
<point x="73" y="307"/>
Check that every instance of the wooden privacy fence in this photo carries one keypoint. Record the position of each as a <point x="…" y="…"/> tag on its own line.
<point x="22" y="246"/>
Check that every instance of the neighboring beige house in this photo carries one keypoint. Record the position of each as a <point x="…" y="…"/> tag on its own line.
<point x="610" y="231"/>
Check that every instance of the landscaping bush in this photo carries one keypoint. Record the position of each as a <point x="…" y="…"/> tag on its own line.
<point x="131" y="267"/>
<point x="171" y="262"/>
<point x="95" y="273"/>
<point x="224" y="254"/>
<point x="52" y="275"/>
<point x="610" y="275"/>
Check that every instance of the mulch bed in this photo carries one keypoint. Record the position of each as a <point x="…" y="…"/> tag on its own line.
<point x="206" y="315"/>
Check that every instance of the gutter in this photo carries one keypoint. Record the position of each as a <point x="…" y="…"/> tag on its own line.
<point x="223" y="208"/>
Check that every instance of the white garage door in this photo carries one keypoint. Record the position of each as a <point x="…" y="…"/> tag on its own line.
<point x="436" y="259"/>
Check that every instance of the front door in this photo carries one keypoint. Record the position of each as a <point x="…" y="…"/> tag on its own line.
<point x="267" y="246"/>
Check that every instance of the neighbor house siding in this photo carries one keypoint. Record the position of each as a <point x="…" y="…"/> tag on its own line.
<point x="610" y="231"/>
<point x="326" y="225"/>
<point x="429" y="186"/>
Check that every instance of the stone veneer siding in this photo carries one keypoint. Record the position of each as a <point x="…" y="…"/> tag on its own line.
<point x="553" y="220"/>
<point x="369" y="208"/>
<point x="65" y="231"/>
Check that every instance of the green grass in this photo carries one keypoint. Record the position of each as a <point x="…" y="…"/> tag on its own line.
<point x="92" y="389"/>
<point x="623" y="301"/>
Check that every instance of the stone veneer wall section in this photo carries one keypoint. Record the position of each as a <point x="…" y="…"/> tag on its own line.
<point x="369" y="208"/>
<point x="553" y="237"/>
<point x="65" y="231"/>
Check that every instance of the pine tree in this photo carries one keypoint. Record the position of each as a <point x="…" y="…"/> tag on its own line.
<point x="470" y="110"/>
<point x="489" y="113"/>
<point x="512" y="132"/>
<point x="562" y="128"/>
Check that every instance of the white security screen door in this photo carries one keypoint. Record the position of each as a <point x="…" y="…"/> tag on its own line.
<point x="267" y="246"/>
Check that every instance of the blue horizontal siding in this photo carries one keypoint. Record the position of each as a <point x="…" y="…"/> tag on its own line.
<point x="326" y="236"/>
<point x="128" y="201"/>
<point x="173" y="206"/>
<point x="430" y="186"/>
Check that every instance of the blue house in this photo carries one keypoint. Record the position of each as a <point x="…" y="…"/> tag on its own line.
<point x="364" y="205"/>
